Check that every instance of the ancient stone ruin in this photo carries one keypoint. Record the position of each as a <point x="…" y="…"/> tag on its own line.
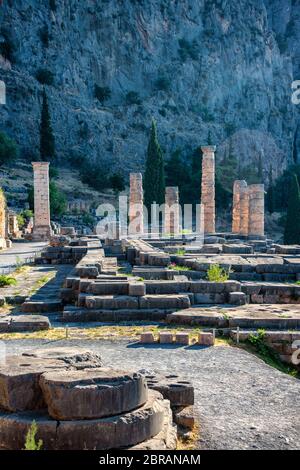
<point x="248" y="209"/>
<point x="79" y="404"/>
<point x="136" y="198"/>
<point x="208" y="188"/>
<point x="172" y="211"/>
<point x="42" y="228"/>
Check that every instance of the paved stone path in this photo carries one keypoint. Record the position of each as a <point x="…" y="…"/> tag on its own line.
<point x="18" y="252"/>
<point x="38" y="284"/>
<point x="242" y="403"/>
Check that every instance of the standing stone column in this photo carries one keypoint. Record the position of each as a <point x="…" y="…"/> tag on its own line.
<point x="256" y="210"/>
<point x="244" y="210"/>
<point x="236" y="205"/>
<point x="2" y="92"/>
<point x="42" y="228"/>
<point x="172" y="210"/>
<point x="136" y="204"/>
<point x="208" y="187"/>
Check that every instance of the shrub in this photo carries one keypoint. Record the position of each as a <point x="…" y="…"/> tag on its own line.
<point x="58" y="203"/>
<point x="30" y="442"/>
<point x="102" y="93"/>
<point x="7" y="280"/>
<point x="163" y="83"/>
<point x="217" y="274"/>
<point x="52" y="5"/>
<point x="88" y="220"/>
<point x="21" y="220"/>
<point x="8" y="149"/>
<point x="44" y="35"/>
<point x="93" y="174"/>
<point x="7" y="46"/>
<point x="133" y="97"/>
<point x="188" y="49"/>
<point x="44" y="76"/>
<point x="117" y="182"/>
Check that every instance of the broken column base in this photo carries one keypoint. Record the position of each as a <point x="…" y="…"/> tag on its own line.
<point x="41" y="233"/>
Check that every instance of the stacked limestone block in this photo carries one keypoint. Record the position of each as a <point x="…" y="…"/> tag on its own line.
<point x="79" y="405"/>
<point x="63" y="250"/>
<point x="172" y="211"/>
<point x="208" y="188"/>
<point x="248" y="210"/>
<point x="42" y="228"/>
<point x="136" y="217"/>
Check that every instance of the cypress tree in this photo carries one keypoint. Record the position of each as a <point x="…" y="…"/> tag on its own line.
<point x="154" y="177"/>
<point x="292" y="226"/>
<point x="47" y="141"/>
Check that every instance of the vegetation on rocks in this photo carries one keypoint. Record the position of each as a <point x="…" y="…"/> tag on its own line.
<point x="6" y="280"/>
<point x="217" y="274"/>
<point x="31" y="443"/>
<point x="8" y="149"/>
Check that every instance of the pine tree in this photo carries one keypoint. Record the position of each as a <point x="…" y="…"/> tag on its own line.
<point x="154" y="178"/>
<point x="47" y="141"/>
<point x="292" y="227"/>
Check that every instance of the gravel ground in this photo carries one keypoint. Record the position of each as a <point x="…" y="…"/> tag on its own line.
<point x="241" y="402"/>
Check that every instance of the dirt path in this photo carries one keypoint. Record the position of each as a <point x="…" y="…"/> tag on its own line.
<point x="242" y="403"/>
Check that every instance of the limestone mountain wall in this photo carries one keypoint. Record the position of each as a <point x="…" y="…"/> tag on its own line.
<point x="206" y="66"/>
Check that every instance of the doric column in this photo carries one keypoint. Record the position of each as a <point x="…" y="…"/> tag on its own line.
<point x="208" y="187"/>
<point x="236" y="205"/>
<point x="256" y="210"/>
<point x="172" y="210"/>
<point x="244" y="210"/>
<point x="136" y="204"/>
<point x="42" y="229"/>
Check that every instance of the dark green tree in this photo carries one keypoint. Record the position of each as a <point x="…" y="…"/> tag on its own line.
<point x="47" y="140"/>
<point x="102" y="93"/>
<point x="154" y="178"/>
<point x="8" y="149"/>
<point x="292" y="226"/>
<point x="270" y="199"/>
<point x="117" y="182"/>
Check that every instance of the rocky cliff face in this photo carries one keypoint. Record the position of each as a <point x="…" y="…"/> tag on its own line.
<point x="200" y="67"/>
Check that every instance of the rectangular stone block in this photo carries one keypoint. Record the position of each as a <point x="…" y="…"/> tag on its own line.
<point x="111" y="302"/>
<point x="165" y="301"/>
<point x="237" y="298"/>
<point x="166" y="337"/>
<point x="182" y="338"/>
<point x="210" y="298"/>
<point x="137" y="289"/>
<point x="109" y="288"/>
<point x="206" y="339"/>
<point x="147" y="337"/>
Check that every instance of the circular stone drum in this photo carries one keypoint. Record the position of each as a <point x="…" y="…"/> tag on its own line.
<point x="91" y="394"/>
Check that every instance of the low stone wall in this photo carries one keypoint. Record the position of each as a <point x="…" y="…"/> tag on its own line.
<point x="63" y="250"/>
<point x="268" y="293"/>
<point x="281" y="341"/>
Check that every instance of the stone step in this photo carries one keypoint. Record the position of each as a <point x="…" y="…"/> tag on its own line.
<point x="42" y="306"/>
<point x="227" y="316"/>
<point x="115" y="302"/>
<point x="20" y="323"/>
<point x="77" y="314"/>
